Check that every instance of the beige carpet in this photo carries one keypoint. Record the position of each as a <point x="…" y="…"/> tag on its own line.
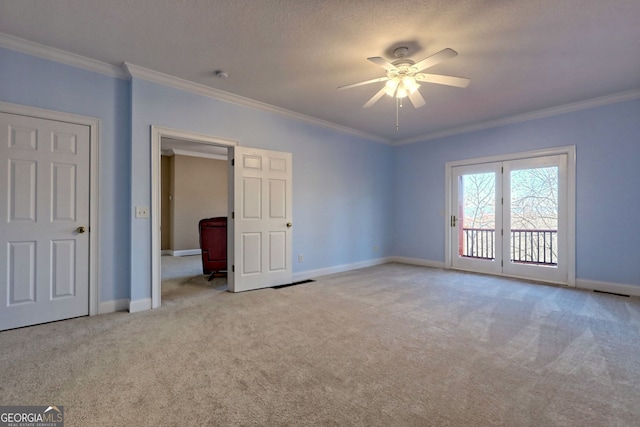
<point x="392" y="345"/>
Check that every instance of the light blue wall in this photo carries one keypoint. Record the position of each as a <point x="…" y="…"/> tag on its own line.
<point x="36" y="82"/>
<point x="350" y="194"/>
<point x="607" y="141"/>
<point x="341" y="183"/>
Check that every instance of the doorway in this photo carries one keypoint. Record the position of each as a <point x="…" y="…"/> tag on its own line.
<point x="512" y="215"/>
<point x="194" y="186"/>
<point x="195" y="143"/>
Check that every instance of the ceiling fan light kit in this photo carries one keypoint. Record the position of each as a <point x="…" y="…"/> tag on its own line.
<point x="404" y="74"/>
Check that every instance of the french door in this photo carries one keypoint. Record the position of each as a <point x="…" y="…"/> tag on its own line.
<point x="511" y="217"/>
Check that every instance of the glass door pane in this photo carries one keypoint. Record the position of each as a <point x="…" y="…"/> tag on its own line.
<point x="477" y="215"/>
<point x="534" y="216"/>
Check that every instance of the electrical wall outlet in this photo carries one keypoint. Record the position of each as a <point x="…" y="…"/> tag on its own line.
<point x="376" y="248"/>
<point x="300" y="258"/>
<point x="142" y="212"/>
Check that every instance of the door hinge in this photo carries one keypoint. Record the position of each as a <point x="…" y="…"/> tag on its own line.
<point x="502" y="232"/>
<point x="233" y="162"/>
<point x="233" y="268"/>
<point x="502" y="200"/>
<point x="502" y="169"/>
<point x="501" y="263"/>
<point x="233" y="215"/>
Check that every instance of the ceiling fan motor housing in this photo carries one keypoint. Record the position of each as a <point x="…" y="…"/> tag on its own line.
<point x="400" y="52"/>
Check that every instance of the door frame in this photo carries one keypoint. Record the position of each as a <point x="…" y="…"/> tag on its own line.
<point x="94" y="185"/>
<point x="157" y="133"/>
<point x="569" y="151"/>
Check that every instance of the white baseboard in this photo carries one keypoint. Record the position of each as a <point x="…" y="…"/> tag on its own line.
<point x="140" y="305"/>
<point x="113" y="306"/>
<point x="616" y="288"/>
<point x="417" y="261"/>
<point x="304" y="275"/>
<point x="183" y="252"/>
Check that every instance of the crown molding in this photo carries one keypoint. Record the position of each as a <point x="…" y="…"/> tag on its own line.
<point x="533" y="115"/>
<point x="58" y="55"/>
<point x="135" y="71"/>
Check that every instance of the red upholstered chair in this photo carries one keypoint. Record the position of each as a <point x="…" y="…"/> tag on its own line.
<point x="213" y="243"/>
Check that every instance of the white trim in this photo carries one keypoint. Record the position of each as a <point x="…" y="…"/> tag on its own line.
<point x="94" y="178"/>
<point x="304" y="275"/>
<point x="533" y="115"/>
<point x="61" y="56"/>
<point x="551" y="151"/>
<point x="198" y="89"/>
<point x="113" y="306"/>
<point x="140" y="305"/>
<point x="157" y="133"/>
<point x="570" y="152"/>
<point x="616" y="288"/>
<point x="181" y="152"/>
<point x="185" y="252"/>
<point x="418" y="261"/>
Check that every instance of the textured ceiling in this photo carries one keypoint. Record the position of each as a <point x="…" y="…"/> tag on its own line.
<point x="521" y="56"/>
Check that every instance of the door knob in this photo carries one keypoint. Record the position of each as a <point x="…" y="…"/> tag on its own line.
<point x="289" y="225"/>
<point x="81" y="229"/>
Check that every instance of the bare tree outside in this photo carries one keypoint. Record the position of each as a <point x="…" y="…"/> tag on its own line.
<point x="478" y="215"/>
<point x="534" y="215"/>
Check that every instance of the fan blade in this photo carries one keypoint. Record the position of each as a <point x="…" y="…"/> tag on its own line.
<point x="383" y="63"/>
<point x="381" y="79"/>
<point x="416" y="99"/>
<point x="434" y="59"/>
<point x="374" y="98"/>
<point x="443" y="80"/>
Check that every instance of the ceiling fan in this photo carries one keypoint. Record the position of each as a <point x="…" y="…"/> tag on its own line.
<point x="404" y="74"/>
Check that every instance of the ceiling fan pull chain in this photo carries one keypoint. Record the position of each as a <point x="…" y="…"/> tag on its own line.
<point x="397" y="114"/>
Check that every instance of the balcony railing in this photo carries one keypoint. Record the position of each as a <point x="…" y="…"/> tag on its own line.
<point x="527" y="246"/>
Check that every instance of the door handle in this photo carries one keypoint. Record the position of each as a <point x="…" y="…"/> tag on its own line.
<point x="453" y="220"/>
<point x="289" y="225"/>
<point x="81" y="229"/>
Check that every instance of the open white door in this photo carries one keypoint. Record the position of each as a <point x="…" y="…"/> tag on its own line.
<point x="262" y="220"/>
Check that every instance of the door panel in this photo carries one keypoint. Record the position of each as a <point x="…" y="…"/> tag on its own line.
<point x="262" y="208"/>
<point x="44" y="184"/>
<point x="535" y="218"/>
<point x="63" y="256"/>
<point x="21" y="199"/>
<point x="21" y="269"/>
<point x="476" y="213"/>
